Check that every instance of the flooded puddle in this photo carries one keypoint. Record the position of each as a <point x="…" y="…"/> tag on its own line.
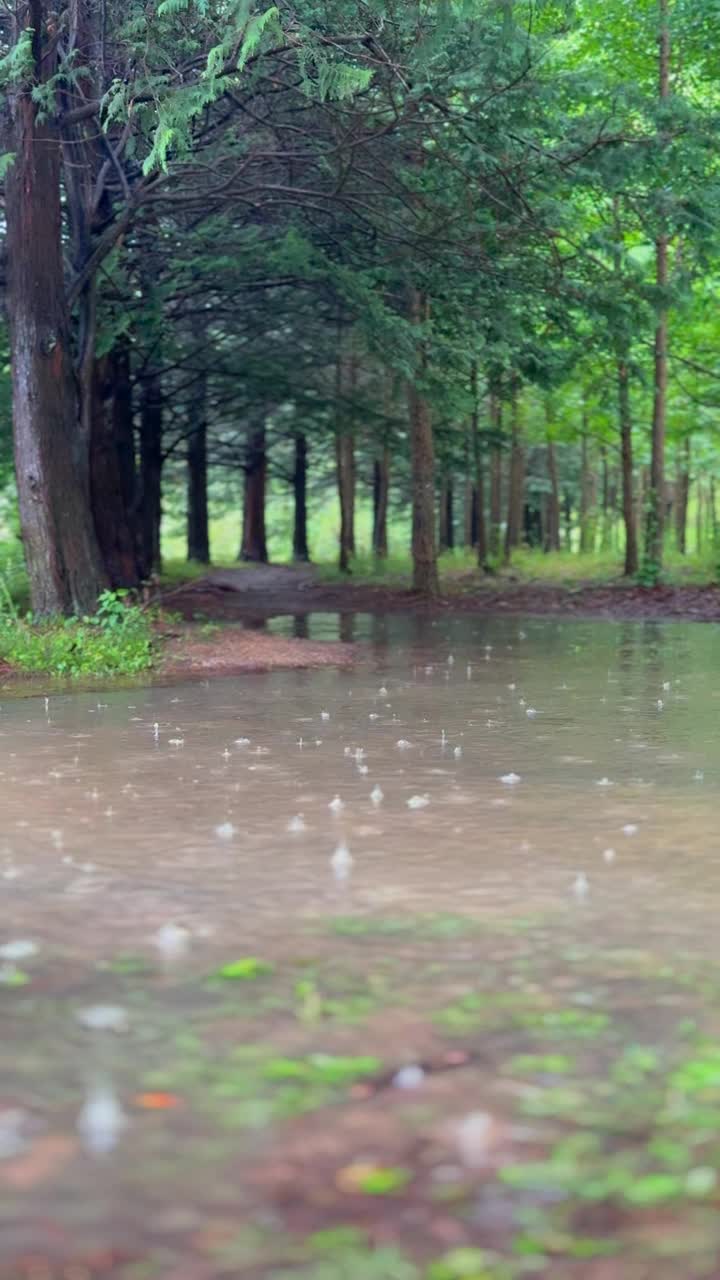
<point x="404" y="972"/>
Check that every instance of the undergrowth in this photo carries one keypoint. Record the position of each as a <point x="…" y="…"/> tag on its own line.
<point x="117" y="640"/>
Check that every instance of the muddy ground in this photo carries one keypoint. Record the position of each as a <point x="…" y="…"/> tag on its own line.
<point x="237" y="594"/>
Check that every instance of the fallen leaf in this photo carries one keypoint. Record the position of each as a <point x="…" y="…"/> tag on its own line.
<point x="45" y="1159"/>
<point x="157" y="1101"/>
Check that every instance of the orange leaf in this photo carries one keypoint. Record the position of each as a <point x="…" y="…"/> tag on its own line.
<point x="158" y="1101"/>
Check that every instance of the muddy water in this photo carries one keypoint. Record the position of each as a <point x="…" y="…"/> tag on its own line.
<point x="528" y="909"/>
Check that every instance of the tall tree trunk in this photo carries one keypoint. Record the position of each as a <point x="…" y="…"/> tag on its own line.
<point x="587" y="531"/>
<point x="345" y="460"/>
<point x="516" y="486"/>
<point x="124" y="434"/>
<point x="422" y="467"/>
<point x="655" y="520"/>
<point x="345" y="469"/>
<point x="470" y="520"/>
<point x="198" y="532"/>
<point x="301" y="550"/>
<point x="552" y="511"/>
<point x="151" y="462"/>
<point x="713" y="513"/>
<point x="112" y="496"/>
<point x="626" y="449"/>
<point x="495" y="476"/>
<point x="608" y="506"/>
<point x="381" y="493"/>
<point x="446" y="527"/>
<point x="480" y="529"/>
<point x="682" y="495"/>
<point x="51" y="450"/>
<point x="254" y="541"/>
<point x="567" y="508"/>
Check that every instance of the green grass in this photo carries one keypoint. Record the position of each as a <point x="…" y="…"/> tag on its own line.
<point x="116" y="641"/>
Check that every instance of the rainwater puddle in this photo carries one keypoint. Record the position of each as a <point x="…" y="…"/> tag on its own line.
<point x="403" y="950"/>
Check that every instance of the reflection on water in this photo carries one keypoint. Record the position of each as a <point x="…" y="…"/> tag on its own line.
<point x="560" y="775"/>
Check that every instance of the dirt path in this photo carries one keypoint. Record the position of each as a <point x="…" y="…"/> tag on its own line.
<point x="270" y="590"/>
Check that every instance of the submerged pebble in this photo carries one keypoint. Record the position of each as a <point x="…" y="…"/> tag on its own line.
<point x="410" y="1077"/>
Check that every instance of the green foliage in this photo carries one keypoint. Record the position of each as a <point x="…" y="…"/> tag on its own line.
<point x="245" y="970"/>
<point x="384" y="1181"/>
<point x="115" y="641"/>
<point x="17" y="64"/>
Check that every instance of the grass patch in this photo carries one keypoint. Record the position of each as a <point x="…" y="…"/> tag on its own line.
<point x="115" y="641"/>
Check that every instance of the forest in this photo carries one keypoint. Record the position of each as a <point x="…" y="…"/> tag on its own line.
<point x="448" y="265"/>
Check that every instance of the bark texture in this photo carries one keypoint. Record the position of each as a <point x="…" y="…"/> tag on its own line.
<point x="626" y="449"/>
<point x="655" y="516"/>
<point x="51" y="450"/>
<point x="198" y="529"/>
<point x="516" y="486"/>
<point x="254" y="539"/>
<point x="682" y="495"/>
<point x="301" y="551"/>
<point x="110" y="486"/>
<point x="151" y="463"/>
<point x="422" y="454"/>
<point x="381" y="494"/>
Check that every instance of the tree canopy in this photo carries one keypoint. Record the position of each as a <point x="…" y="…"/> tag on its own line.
<point x="409" y="250"/>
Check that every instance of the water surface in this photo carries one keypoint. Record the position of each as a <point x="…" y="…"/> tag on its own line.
<point x="550" y="892"/>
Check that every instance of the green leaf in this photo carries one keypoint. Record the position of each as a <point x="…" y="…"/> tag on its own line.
<point x="244" y="970"/>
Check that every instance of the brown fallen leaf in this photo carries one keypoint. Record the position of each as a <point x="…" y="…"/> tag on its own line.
<point x="45" y="1159"/>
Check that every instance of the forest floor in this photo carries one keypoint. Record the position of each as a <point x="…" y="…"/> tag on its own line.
<point x="254" y="593"/>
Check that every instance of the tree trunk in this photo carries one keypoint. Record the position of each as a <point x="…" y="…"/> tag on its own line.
<point x="446" y="528"/>
<point x="198" y="532"/>
<point x="516" y="486"/>
<point x="345" y="467"/>
<point x="626" y="449"/>
<point x="345" y="462"/>
<point x="151" y="461"/>
<point x="254" y="541"/>
<point x="608" y="503"/>
<point x="567" y="508"/>
<point x="480" y="528"/>
<point x="422" y="467"/>
<point x="124" y="434"/>
<point x="470" y="520"/>
<point x="301" y="551"/>
<point x="51" y="451"/>
<point x="655" y="520"/>
<point x="682" y="495"/>
<point x="495" y="477"/>
<point x="699" y="512"/>
<point x="381" y="493"/>
<point x="111" y="491"/>
<point x="552" y="513"/>
<point x="587" y="530"/>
